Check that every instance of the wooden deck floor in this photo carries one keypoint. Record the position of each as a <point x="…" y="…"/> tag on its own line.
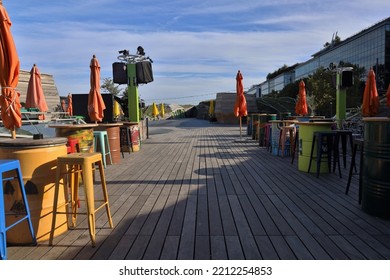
<point x="194" y="192"/>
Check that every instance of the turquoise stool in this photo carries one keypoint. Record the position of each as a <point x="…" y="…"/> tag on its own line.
<point x="101" y="137"/>
<point x="6" y="166"/>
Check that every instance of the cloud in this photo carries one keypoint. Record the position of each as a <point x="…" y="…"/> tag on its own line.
<point x="197" y="48"/>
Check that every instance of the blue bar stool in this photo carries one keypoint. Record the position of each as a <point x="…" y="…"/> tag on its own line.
<point x="101" y="140"/>
<point x="7" y="166"/>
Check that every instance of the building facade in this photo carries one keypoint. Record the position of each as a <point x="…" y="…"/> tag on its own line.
<point x="370" y="48"/>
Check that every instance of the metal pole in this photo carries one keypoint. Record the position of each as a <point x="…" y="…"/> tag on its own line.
<point x="341" y="100"/>
<point x="132" y="93"/>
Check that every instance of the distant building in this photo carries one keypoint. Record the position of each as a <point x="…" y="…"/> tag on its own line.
<point x="370" y="48"/>
<point x="224" y="107"/>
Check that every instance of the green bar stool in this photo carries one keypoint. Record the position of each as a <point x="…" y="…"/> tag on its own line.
<point x="8" y="166"/>
<point x="101" y="140"/>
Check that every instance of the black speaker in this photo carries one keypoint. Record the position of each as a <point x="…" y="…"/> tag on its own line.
<point x="144" y="72"/>
<point x="346" y="78"/>
<point x="119" y="72"/>
<point x="80" y="107"/>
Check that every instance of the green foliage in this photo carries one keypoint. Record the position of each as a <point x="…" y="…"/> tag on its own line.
<point x="321" y="91"/>
<point x="109" y="86"/>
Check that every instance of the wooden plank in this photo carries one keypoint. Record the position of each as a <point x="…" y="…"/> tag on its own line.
<point x="200" y="194"/>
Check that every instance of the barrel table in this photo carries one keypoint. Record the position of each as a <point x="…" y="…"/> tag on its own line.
<point x="306" y="131"/>
<point x="134" y="135"/>
<point x="113" y="132"/>
<point x="82" y="132"/>
<point x="376" y="167"/>
<point x="38" y="163"/>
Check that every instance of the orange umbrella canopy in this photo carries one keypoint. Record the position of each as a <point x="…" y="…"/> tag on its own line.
<point x="370" y="98"/>
<point x="35" y="97"/>
<point x="96" y="104"/>
<point x="70" y="105"/>
<point x="9" y="75"/>
<point x="240" y="109"/>
<point x="301" y="105"/>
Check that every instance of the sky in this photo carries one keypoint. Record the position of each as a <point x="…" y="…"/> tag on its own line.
<point x="196" y="46"/>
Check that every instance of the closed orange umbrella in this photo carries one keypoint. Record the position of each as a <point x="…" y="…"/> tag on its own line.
<point x="35" y="97"/>
<point x="96" y="104"/>
<point x="240" y="109"/>
<point x="9" y="76"/>
<point x="388" y="96"/>
<point x="370" y="98"/>
<point x="70" y="105"/>
<point x="301" y="105"/>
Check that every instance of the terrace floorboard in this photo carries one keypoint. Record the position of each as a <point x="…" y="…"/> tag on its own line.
<point x="196" y="190"/>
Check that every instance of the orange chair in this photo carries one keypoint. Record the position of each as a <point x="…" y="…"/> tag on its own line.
<point x="73" y="146"/>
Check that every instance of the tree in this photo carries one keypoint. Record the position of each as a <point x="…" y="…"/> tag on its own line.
<point x="109" y="86"/>
<point x="320" y="91"/>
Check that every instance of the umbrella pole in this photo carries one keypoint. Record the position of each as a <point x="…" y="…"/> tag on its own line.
<point x="240" y="127"/>
<point x="13" y="134"/>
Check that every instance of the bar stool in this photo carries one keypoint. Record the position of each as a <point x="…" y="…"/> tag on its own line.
<point x="83" y="163"/>
<point x="344" y="134"/>
<point x="267" y="135"/>
<point x="101" y="137"/>
<point x="295" y="144"/>
<point x="72" y="146"/>
<point x="125" y="140"/>
<point x="358" y="143"/>
<point x="12" y="165"/>
<point x="286" y="134"/>
<point x="325" y="144"/>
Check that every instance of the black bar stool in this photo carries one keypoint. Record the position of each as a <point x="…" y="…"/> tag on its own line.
<point x="344" y="135"/>
<point x="358" y="143"/>
<point x="325" y="144"/>
<point x="125" y="140"/>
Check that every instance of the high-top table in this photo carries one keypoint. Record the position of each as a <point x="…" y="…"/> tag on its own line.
<point x="113" y="132"/>
<point x="375" y="185"/>
<point x="306" y="132"/>
<point x="38" y="162"/>
<point x="82" y="132"/>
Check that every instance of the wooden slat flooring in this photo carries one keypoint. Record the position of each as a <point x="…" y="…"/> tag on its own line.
<point x="195" y="190"/>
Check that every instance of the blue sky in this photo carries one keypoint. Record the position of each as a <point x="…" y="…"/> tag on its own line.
<point x="197" y="46"/>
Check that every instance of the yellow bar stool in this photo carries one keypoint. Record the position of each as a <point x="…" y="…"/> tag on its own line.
<point x="74" y="164"/>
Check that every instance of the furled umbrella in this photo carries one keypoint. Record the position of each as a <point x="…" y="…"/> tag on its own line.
<point x="370" y="97"/>
<point x="301" y="105"/>
<point x="211" y="108"/>
<point x="9" y="76"/>
<point x="154" y="110"/>
<point x="162" y="110"/>
<point x="70" y="105"/>
<point x="96" y="104"/>
<point x="35" y="97"/>
<point x="240" y="109"/>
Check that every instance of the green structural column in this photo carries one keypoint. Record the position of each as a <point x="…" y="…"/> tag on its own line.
<point x="341" y="101"/>
<point x="132" y="94"/>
